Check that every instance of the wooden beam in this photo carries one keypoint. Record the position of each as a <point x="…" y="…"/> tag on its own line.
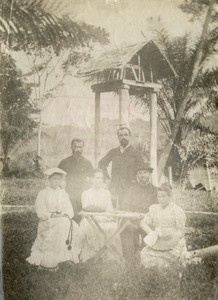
<point x="143" y="75"/>
<point x="114" y="85"/>
<point x="124" y="72"/>
<point x="153" y="137"/>
<point x="147" y="85"/>
<point x="139" y="63"/>
<point x="134" y="73"/>
<point x="109" y="75"/>
<point x="113" y="74"/>
<point x="206" y="213"/>
<point x="170" y="175"/>
<point x="121" y="74"/>
<point x="129" y="66"/>
<point x="139" y="60"/>
<point x="209" y="251"/>
<point x="97" y="126"/>
<point x="118" y="74"/>
<point x="151" y="73"/>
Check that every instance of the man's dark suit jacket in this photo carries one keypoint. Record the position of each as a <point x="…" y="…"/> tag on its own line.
<point x="124" y="166"/>
<point x="140" y="197"/>
<point x="77" y="169"/>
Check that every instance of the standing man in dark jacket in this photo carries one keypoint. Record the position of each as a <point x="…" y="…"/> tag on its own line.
<point x="125" y="161"/>
<point x="78" y="169"/>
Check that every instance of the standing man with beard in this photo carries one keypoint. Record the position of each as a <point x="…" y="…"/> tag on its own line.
<point x="78" y="169"/>
<point x="125" y="161"/>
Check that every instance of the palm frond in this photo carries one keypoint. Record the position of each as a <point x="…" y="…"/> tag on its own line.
<point x="32" y="24"/>
<point x="208" y="124"/>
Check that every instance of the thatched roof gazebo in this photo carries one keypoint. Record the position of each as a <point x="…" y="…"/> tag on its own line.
<point x="142" y="62"/>
<point x="131" y="70"/>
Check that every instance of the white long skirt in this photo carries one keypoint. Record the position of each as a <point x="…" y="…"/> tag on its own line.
<point x="50" y="248"/>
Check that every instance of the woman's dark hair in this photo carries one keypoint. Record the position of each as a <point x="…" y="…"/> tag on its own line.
<point x="165" y="188"/>
<point x="95" y="171"/>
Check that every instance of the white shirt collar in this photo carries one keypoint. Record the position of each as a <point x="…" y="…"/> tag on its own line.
<point x="122" y="149"/>
<point x="53" y="190"/>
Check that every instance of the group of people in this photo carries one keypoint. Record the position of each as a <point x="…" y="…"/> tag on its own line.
<point x="62" y="234"/>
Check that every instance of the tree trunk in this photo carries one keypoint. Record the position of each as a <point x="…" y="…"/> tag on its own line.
<point x="6" y="166"/>
<point x="39" y="135"/>
<point x="174" y="159"/>
<point x="198" y="57"/>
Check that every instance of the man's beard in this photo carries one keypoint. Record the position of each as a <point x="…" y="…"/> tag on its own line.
<point x="124" y="142"/>
<point x="77" y="153"/>
<point x="144" y="181"/>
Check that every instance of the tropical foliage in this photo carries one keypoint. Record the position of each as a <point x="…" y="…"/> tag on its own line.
<point x="181" y="52"/>
<point x="194" y="81"/>
<point x="27" y="25"/>
<point x="186" y="101"/>
<point x="17" y="124"/>
<point x="200" y="151"/>
<point x="48" y="40"/>
<point x="201" y="101"/>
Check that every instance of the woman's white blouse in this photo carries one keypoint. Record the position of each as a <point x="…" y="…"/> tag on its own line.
<point x="49" y="201"/>
<point x="172" y="216"/>
<point x="97" y="197"/>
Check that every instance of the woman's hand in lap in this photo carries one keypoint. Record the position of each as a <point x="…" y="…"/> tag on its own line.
<point x="56" y="215"/>
<point x="163" y="232"/>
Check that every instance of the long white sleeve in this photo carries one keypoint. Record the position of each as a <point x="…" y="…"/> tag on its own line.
<point x="40" y="206"/>
<point x="68" y="208"/>
<point x="84" y="199"/>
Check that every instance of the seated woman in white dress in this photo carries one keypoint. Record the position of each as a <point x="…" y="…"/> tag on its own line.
<point x="97" y="199"/>
<point x="57" y="238"/>
<point x="165" y="226"/>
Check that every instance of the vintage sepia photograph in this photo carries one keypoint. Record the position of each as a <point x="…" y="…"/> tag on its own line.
<point x="108" y="149"/>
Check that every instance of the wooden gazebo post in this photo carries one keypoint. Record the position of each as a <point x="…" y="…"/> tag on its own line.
<point x="97" y="125"/>
<point x="124" y="105"/>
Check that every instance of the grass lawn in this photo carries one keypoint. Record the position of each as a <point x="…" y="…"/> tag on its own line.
<point x="100" y="280"/>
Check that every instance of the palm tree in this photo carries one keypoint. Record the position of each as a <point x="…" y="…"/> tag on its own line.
<point x="181" y="95"/>
<point x="181" y="53"/>
<point x="192" y="94"/>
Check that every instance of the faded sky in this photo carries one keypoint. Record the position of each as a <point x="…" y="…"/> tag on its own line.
<point x="127" y="18"/>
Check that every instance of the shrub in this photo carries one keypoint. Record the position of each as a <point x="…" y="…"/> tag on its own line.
<point x="193" y="200"/>
<point x="20" y="191"/>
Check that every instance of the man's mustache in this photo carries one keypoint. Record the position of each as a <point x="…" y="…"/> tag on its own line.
<point x="78" y="152"/>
